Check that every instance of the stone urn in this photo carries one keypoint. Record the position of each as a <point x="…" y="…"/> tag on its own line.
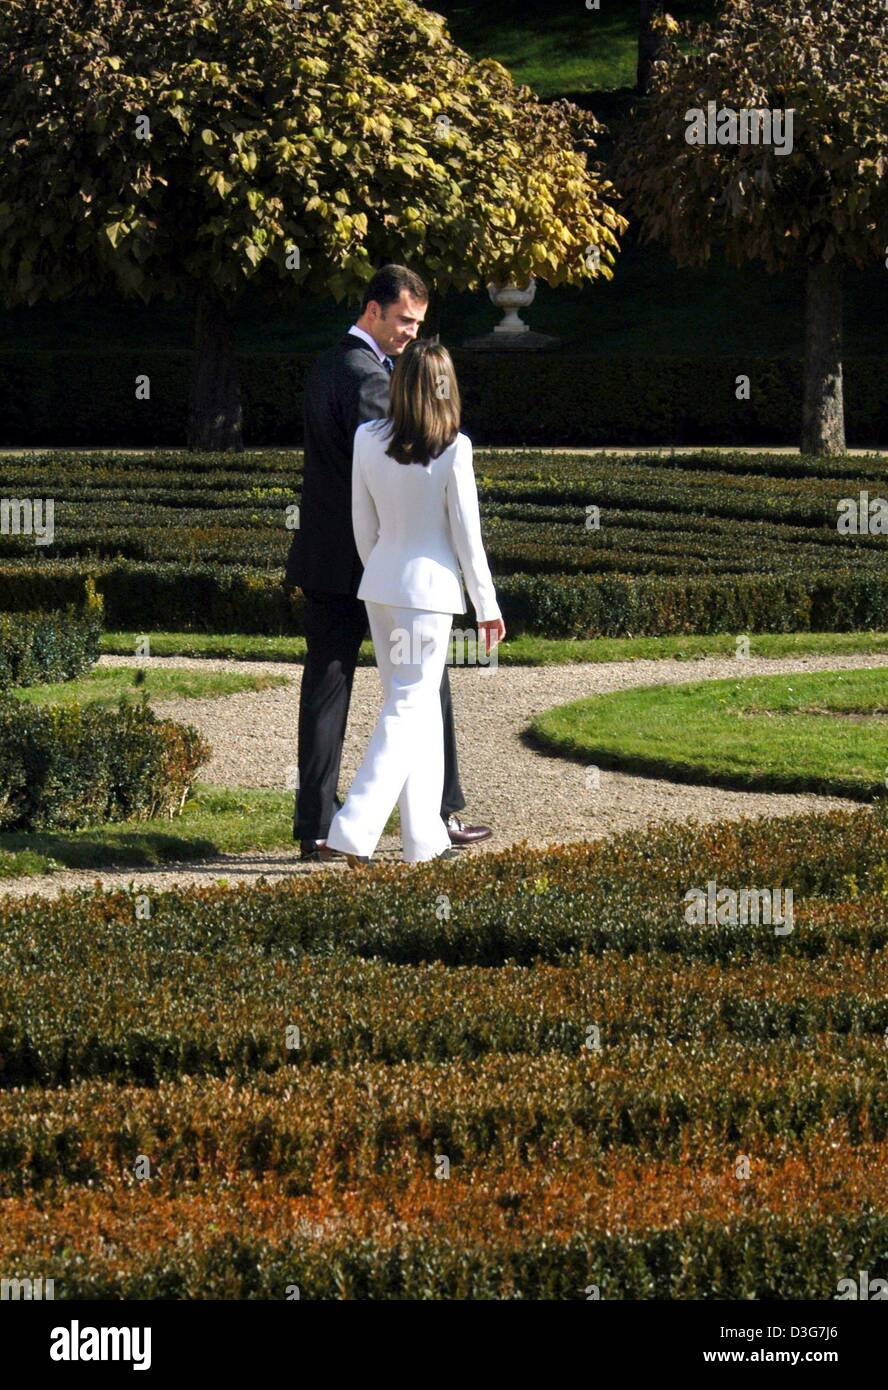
<point x="511" y="298"/>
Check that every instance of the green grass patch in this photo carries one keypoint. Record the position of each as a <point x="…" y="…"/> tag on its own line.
<point x="23" y="863"/>
<point x="213" y="820"/>
<point x="563" y="47"/>
<point x="824" y="732"/>
<point x="234" y="646"/>
<point x="108" y="685"/>
<point x="520" y="651"/>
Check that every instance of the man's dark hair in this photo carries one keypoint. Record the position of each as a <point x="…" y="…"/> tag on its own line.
<point x="387" y="284"/>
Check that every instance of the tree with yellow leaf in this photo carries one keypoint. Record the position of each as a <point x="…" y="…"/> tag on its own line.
<point x="195" y="147"/>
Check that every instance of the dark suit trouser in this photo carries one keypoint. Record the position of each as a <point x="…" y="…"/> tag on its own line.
<point x="335" y="627"/>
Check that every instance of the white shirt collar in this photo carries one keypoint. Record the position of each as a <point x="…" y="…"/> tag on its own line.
<point x="360" y="333"/>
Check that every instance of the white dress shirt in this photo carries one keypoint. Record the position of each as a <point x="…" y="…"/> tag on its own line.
<point x="416" y="525"/>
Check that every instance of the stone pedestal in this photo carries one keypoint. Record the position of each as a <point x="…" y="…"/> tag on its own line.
<point x="513" y="333"/>
<point x="515" y="342"/>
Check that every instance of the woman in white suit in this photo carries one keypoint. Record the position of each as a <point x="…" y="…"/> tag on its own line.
<point x="416" y="524"/>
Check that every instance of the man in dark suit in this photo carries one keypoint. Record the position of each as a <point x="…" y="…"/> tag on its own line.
<point x="346" y="386"/>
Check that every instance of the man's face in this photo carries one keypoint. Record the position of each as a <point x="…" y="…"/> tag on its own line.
<point x="398" y="324"/>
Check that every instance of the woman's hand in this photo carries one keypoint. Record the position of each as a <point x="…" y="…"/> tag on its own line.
<point x="494" y="632"/>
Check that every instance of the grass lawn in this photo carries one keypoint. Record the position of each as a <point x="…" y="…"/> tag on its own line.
<point x="823" y="732"/>
<point x="214" y="819"/>
<point x="107" y="685"/>
<point x="556" y="48"/>
<point x="227" y="820"/>
<point x="521" y="651"/>
<point x="559" y="47"/>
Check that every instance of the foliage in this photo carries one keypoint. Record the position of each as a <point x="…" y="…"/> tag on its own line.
<point x="55" y="646"/>
<point x="278" y="1161"/>
<point x="73" y="765"/>
<point x="355" y="133"/>
<point x="698" y="544"/>
<point x="826" y="61"/>
<point x="621" y="895"/>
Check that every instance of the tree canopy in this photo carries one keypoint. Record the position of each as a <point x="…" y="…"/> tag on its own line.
<point x="827" y="60"/>
<point x="818" y="199"/>
<point x="174" y="144"/>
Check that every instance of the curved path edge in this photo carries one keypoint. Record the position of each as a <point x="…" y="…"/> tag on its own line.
<point x="524" y="793"/>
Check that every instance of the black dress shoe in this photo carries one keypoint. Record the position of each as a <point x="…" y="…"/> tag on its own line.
<point x="310" y="850"/>
<point x="462" y="835"/>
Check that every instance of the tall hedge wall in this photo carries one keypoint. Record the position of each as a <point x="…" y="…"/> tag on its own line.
<point x="70" y="398"/>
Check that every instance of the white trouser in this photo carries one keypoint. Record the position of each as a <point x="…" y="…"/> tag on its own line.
<point x="404" y="761"/>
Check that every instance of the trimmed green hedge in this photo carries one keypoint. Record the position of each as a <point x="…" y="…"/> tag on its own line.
<point x="622" y="895"/>
<point x="87" y="1132"/>
<point x="205" y="598"/>
<point x="40" y="646"/>
<point x="67" y="767"/>
<point x="711" y="543"/>
<point x="215" y="1011"/>
<point x="312" y="1161"/>
<point x="760" y="1256"/>
<point x="74" y="398"/>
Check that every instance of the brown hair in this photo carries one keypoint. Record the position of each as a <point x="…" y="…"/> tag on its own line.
<point x="424" y="406"/>
<point x="388" y="282"/>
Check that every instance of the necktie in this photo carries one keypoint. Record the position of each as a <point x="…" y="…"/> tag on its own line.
<point x="388" y="364"/>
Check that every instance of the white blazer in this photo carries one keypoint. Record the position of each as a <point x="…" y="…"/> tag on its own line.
<point x="416" y="524"/>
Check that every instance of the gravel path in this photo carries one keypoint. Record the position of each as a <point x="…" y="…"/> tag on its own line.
<point x="522" y="793"/>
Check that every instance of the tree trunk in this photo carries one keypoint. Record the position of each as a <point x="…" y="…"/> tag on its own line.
<point x="214" y="415"/>
<point x="823" y="411"/>
<point x="649" y="43"/>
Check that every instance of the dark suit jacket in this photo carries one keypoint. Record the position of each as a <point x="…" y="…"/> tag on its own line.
<point x="345" y="387"/>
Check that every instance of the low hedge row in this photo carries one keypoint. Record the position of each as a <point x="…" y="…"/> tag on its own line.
<point x="681" y="1235"/>
<point x="57" y="397"/>
<point x="204" y="598"/>
<point x="70" y="766"/>
<point x="640" y="543"/>
<point x="106" y="497"/>
<point x="219" y="1157"/>
<point x="258" y="472"/>
<point x="630" y="553"/>
<point x="50" y="646"/>
<point x="683" y="546"/>
<point x="622" y="895"/>
<point x="343" y="1127"/>
<point x="618" y="605"/>
<point x="227" y="1012"/>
